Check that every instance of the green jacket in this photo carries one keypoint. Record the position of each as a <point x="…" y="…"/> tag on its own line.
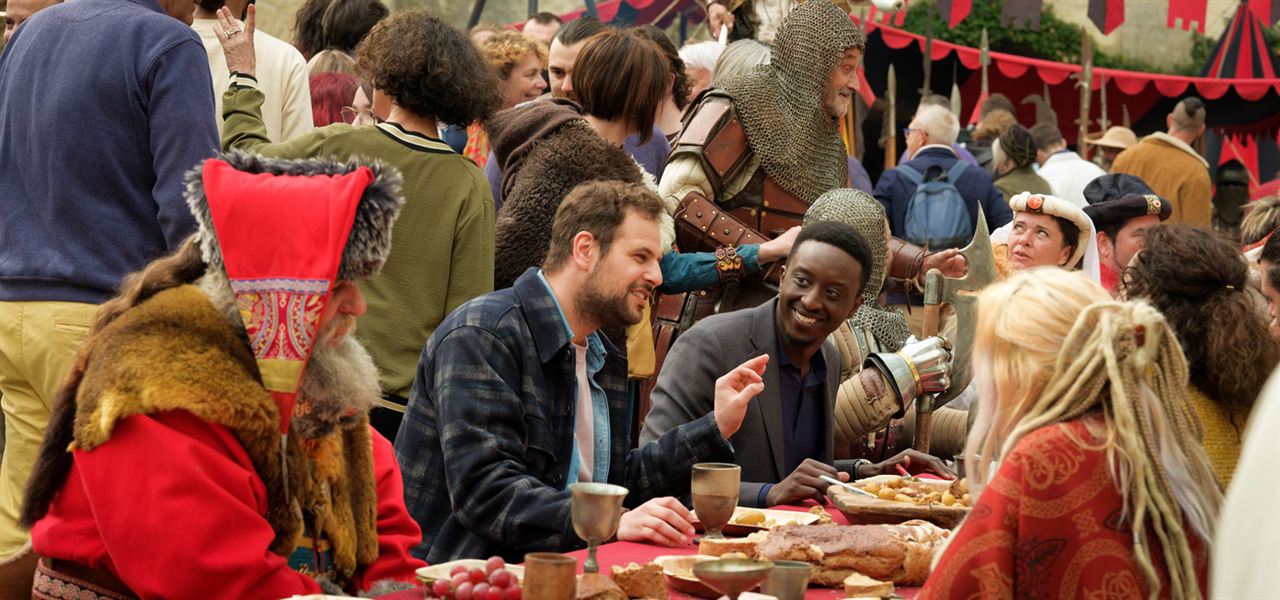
<point x="1022" y="179"/>
<point x="442" y="250"/>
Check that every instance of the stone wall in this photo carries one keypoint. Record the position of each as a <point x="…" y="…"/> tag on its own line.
<point x="1144" y="34"/>
<point x="276" y="16"/>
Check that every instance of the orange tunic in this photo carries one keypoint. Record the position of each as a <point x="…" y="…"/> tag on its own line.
<point x="1048" y="525"/>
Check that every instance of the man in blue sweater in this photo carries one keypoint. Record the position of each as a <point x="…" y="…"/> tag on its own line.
<point x="104" y="104"/>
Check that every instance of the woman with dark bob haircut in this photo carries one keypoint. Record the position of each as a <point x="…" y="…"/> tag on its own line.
<point x="1200" y="283"/>
<point x="547" y="148"/>
<point x="424" y="73"/>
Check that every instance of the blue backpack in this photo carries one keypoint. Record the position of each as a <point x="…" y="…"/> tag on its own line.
<point x="937" y="217"/>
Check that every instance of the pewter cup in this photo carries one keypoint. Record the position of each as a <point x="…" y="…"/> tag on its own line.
<point x="788" y="580"/>
<point x="597" y="509"/>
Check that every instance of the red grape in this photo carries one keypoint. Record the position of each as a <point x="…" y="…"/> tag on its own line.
<point x="459" y="579"/>
<point x="501" y="578"/>
<point x="477" y="576"/>
<point x="493" y="564"/>
<point x="457" y="569"/>
<point x="441" y="588"/>
<point x="494" y="594"/>
<point x="480" y="591"/>
<point x="512" y="593"/>
<point x="463" y="592"/>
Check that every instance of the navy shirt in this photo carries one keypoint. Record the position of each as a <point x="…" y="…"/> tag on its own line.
<point x="802" y="406"/>
<point x="104" y="106"/>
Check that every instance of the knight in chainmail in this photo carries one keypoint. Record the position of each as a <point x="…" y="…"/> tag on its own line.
<point x="872" y="420"/>
<point x="755" y="152"/>
<point x="759" y="148"/>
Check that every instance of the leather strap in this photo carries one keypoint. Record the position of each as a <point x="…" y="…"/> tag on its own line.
<point x="907" y="260"/>
<point x="712" y="227"/>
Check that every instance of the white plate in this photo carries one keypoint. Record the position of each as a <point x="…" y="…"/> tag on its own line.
<point x="441" y="571"/>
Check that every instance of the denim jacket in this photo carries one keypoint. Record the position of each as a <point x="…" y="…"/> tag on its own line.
<point x="487" y="441"/>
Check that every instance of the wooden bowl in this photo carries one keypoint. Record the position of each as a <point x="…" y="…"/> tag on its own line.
<point x="864" y="510"/>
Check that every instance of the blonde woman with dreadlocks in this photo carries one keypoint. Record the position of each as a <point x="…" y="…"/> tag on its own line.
<point x="1092" y="482"/>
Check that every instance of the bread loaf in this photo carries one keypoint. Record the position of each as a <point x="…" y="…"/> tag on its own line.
<point x="641" y="581"/>
<point x="594" y="586"/>
<point x="721" y="547"/>
<point x="898" y="553"/>
<point x="858" y="585"/>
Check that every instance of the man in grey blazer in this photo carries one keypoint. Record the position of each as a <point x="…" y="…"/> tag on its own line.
<point x="786" y="441"/>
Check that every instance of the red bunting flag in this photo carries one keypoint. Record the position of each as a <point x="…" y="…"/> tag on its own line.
<point x="955" y="11"/>
<point x="1189" y="11"/>
<point x="1018" y="13"/>
<point x="1107" y="15"/>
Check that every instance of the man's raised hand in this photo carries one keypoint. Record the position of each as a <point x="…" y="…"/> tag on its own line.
<point x="735" y="390"/>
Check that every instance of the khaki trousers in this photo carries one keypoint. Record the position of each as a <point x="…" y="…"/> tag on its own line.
<point x="37" y="343"/>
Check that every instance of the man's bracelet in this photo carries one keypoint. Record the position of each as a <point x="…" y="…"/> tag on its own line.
<point x="858" y="464"/>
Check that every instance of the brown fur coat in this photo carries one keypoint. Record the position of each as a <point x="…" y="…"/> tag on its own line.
<point x="176" y="351"/>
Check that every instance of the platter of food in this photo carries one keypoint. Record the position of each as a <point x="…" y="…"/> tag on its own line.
<point x="746" y="521"/>
<point x="894" y="499"/>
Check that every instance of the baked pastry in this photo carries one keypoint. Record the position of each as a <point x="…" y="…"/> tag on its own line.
<point x="858" y="585"/>
<point x="898" y="553"/>
<point x="724" y="546"/>
<point x="594" y="586"/>
<point x="641" y="581"/>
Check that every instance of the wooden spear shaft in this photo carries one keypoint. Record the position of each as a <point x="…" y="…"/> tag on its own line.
<point x="1086" y="90"/>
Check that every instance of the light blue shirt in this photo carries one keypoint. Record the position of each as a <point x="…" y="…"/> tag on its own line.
<point x="599" y="403"/>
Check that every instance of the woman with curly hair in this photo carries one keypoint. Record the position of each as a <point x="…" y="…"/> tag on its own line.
<point x="518" y="61"/>
<point x="424" y="72"/>
<point x="1085" y="455"/>
<point x="1200" y="283"/>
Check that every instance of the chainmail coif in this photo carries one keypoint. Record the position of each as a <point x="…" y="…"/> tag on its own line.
<point x="780" y="104"/>
<point x="864" y="213"/>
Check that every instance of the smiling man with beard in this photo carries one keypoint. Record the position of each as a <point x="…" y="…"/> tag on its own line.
<point x="519" y="394"/>
<point x="786" y="441"/>
<point x="212" y="437"/>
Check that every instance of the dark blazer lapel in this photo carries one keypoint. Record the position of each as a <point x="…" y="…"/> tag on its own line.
<point x="764" y="338"/>
<point x="829" y="389"/>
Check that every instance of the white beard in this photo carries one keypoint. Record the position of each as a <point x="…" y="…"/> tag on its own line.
<point x="340" y="383"/>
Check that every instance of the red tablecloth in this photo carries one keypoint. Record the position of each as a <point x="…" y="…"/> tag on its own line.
<point x="624" y="553"/>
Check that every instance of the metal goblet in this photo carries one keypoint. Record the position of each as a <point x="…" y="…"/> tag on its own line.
<point x="732" y="576"/>
<point x="715" y="495"/>
<point x="597" y="509"/>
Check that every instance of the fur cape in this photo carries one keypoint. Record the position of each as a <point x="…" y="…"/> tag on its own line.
<point x="549" y="168"/>
<point x="176" y="351"/>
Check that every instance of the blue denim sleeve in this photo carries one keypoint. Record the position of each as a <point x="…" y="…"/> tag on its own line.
<point x="693" y="271"/>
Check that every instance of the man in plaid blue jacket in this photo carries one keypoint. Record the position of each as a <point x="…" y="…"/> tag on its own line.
<point x="519" y="394"/>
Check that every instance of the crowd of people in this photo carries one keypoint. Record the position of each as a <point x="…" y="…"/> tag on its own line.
<point x="378" y="296"/>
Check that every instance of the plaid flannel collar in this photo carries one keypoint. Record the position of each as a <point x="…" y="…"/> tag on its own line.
<point x="543" y="316"/>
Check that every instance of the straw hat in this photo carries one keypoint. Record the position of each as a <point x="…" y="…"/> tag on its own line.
<point x="1115" y="137"/>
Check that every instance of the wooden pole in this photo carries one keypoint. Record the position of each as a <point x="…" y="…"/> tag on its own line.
<point x="477" y="7"/>
<point x="984" y="59"/>
<point x="1086" y="91"/>
<point x="891" y="123"/>
<point x="927" y="88"/>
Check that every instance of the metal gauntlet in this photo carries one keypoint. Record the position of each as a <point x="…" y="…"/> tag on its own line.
<point x="921" y="367"/>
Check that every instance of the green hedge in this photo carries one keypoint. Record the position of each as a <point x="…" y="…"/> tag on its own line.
<point x="1056" y="40"/>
